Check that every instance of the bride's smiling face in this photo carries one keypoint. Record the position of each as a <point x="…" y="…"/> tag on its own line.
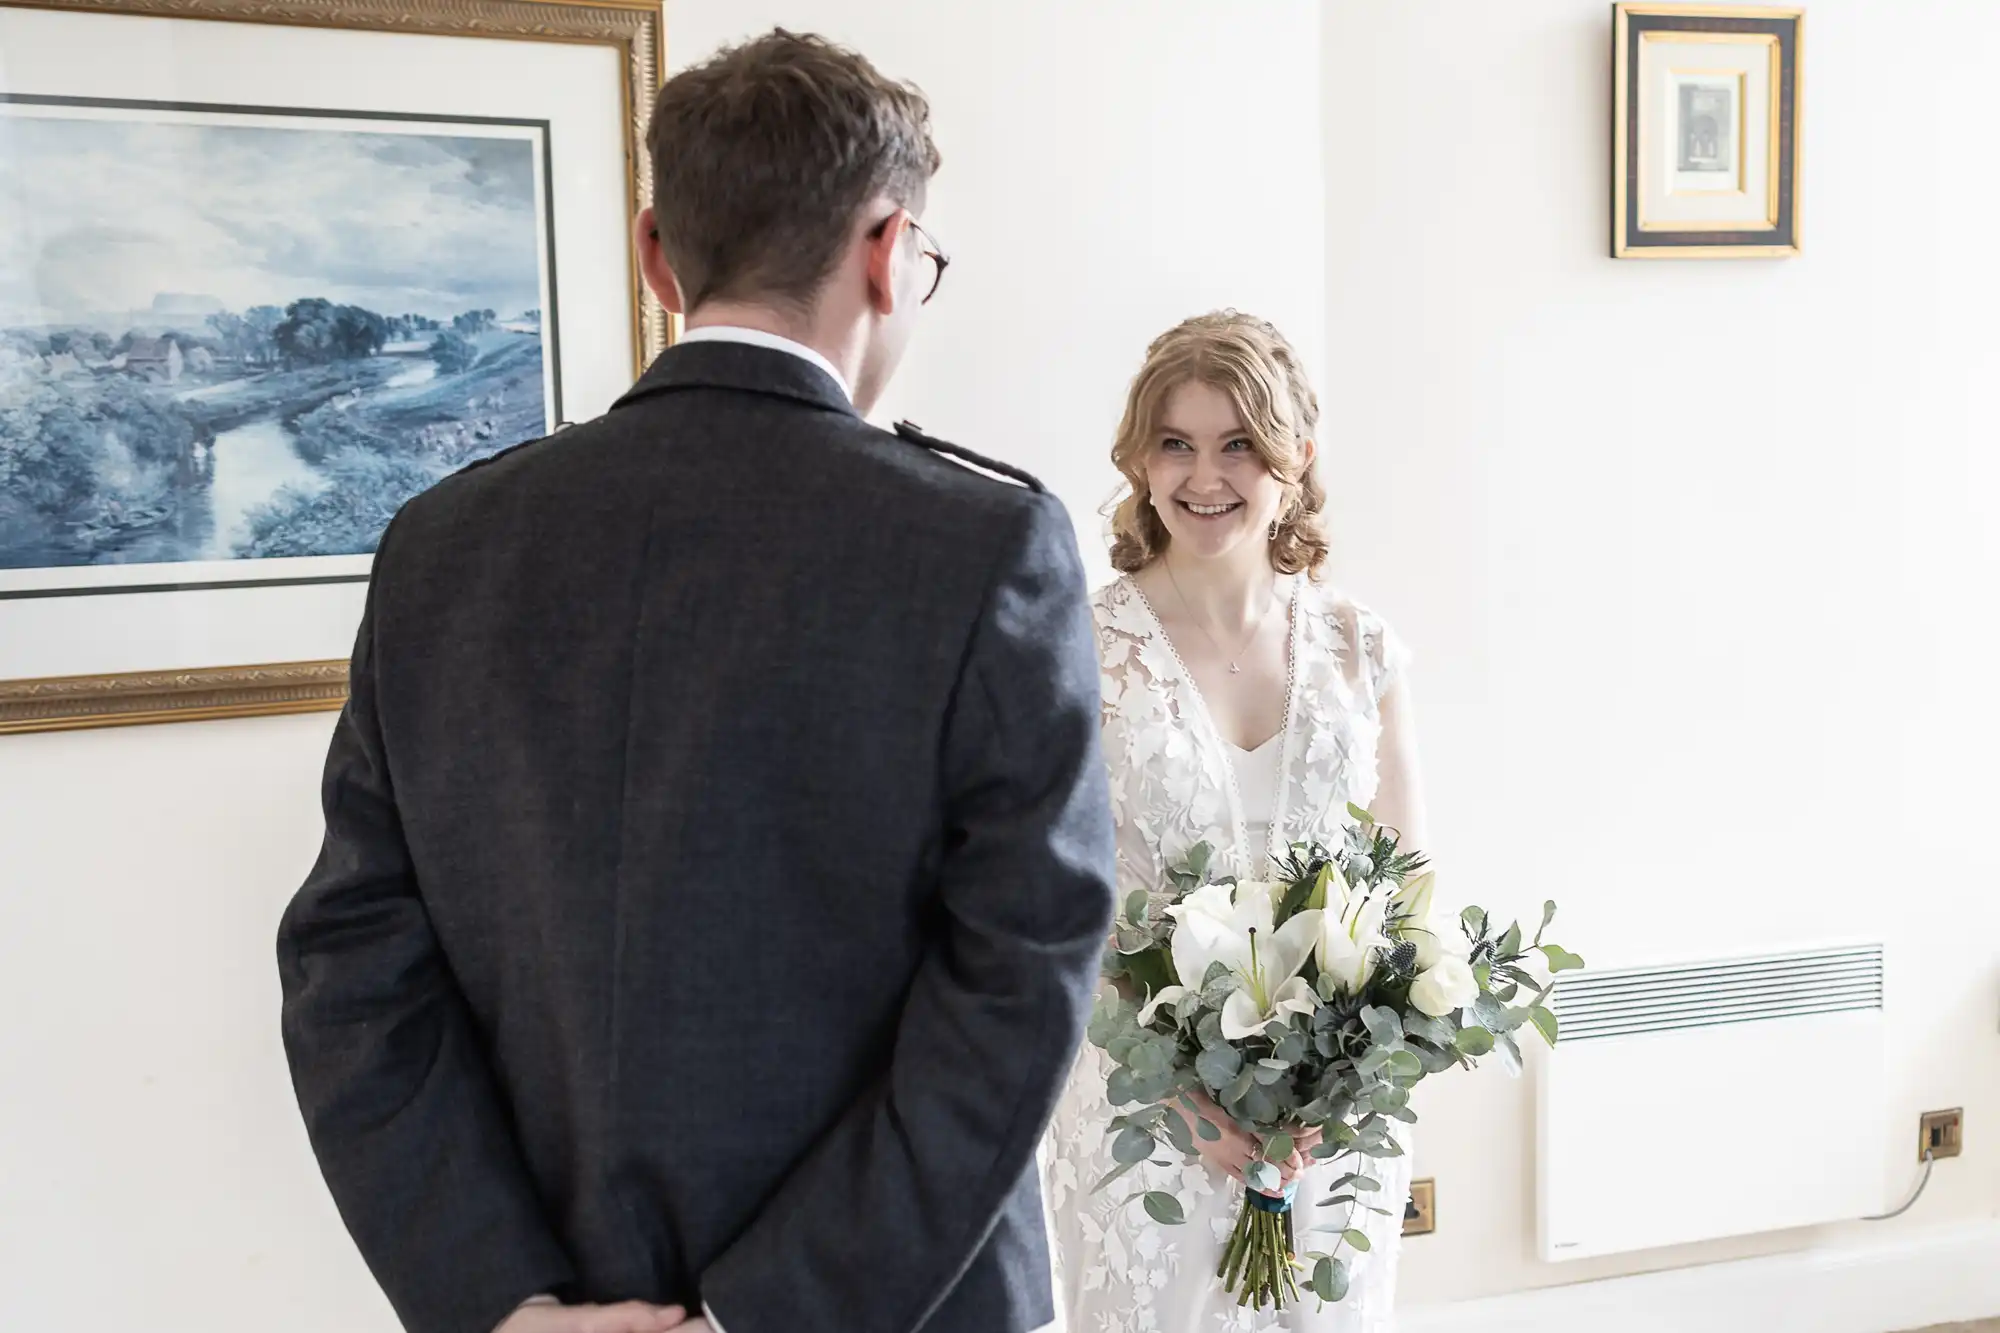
<point x="1207" y="480"/>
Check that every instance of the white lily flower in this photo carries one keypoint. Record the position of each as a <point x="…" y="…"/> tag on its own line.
<point x="1413" y="901"/>
<point x="1445" y="988"/>
<point x="1166" y="995"/>
<point x="1215" y="925"/>
<point x="1436" y="933"/>
<point x="1349" y="940"/>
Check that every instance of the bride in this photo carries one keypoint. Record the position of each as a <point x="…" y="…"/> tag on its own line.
<point x="1245" y="704"/>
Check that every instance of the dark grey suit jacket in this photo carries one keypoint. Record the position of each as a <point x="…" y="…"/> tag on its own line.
<point x="716" y="865"/>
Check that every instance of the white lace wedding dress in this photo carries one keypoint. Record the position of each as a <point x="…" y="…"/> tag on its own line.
<point x="1176" y="782"/>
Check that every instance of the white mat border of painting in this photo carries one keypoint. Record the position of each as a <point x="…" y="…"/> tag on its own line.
<point x="577" y="88"/>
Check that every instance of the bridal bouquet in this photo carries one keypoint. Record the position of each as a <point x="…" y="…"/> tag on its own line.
<point x="1309" y="1004"/>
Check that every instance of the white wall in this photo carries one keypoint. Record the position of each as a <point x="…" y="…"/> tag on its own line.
<point x="1109" y="169"/>
<point x="1699" y="559"/>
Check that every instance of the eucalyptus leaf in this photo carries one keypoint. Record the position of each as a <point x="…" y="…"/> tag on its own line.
<point x="1474" y="1041"/>
<point x="1406" y="1064"/>
<point x="1324" y="1149"/>
<point x="1561" y="959"/>
<point x="1164" y="1208"/>
<point x="1218" y="1065"/>
<point x="1545" y="1023"/>
<point x="1267" y="1076"/>
<point x="1198" y="858"/>
<point x="1099" y="1186"/>
<point x="1260" y="1105"/>
<point x="1389" y="1099"/>
<point x="1492" y="1015"/>
<point x="1239" y="1088"/>
<point x="1131" y="1146"/>
<point x="1103" y="1026"/>
<point x="1383" y="1025"/>
<point x="1510" y="943"/>
<point x="1509" y="1053"/>
<point x="1206" y="1128"/>
<point x="1148" y="1060"/>
<point x="1475" y="922"/>
<point x="1135" y="907"/>
<point x="1358" y="1239"/>
<point x="1359" y="815"/>
<point x="1178" y="1134"/>
<point x="1548" y="915"/>
<point x="1356" y="1179"/>
<point x="1278" y="1147"/>
<point x="1120" y="1087"/>
<point x="1263" y="1176"/>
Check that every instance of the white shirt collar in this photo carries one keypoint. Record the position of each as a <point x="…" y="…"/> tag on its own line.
<point x="730" y="333"/>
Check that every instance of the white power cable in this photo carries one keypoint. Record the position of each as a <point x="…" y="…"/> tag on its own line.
<point x="1930" y="1160"/>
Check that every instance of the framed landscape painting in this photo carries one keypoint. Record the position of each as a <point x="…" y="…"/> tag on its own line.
<point x="270" y="280"/>
<point x="1706" y="131"/>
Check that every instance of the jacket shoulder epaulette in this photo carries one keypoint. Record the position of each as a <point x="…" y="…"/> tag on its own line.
<point x="958" y="453"/>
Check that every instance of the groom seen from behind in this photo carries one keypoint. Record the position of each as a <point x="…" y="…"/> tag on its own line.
<point x="717" y="848"/>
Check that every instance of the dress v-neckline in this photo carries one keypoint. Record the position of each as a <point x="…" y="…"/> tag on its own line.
<point x="1283" y="736"/>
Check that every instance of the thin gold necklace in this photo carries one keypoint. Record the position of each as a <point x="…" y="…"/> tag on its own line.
<point x="1235" y="659"/>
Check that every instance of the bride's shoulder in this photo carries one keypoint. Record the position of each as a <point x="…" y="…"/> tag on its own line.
<point x="1117" y="603"/>
<point x="1352" y="628"/>
<point x="1332" y="603"/>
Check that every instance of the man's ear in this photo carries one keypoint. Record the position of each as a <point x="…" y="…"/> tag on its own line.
<point x="883" y="246"/>
<point x="653" y="264"/>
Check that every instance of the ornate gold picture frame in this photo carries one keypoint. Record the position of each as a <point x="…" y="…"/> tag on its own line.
<point x="148" y="625"/>
<point x="1707" y="110"/>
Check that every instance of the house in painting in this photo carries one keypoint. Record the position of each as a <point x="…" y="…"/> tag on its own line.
<point x="155" y="359"/>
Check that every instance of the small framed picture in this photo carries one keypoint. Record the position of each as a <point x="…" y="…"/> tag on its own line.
<point x="1705" y="131"/>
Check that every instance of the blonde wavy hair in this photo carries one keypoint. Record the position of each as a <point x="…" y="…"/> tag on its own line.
<point x="1247" y="359"/>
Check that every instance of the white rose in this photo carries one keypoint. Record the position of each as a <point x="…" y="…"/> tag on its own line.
<point x="1441" y="937"/>
<point x="1445" y="988"/>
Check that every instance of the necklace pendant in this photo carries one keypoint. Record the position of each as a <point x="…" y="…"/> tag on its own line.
<point x="1235" y="670"/>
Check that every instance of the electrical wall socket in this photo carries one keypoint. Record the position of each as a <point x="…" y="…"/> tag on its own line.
<point x="1420" y="1218"/>
<point x="1941" y="1134"/>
